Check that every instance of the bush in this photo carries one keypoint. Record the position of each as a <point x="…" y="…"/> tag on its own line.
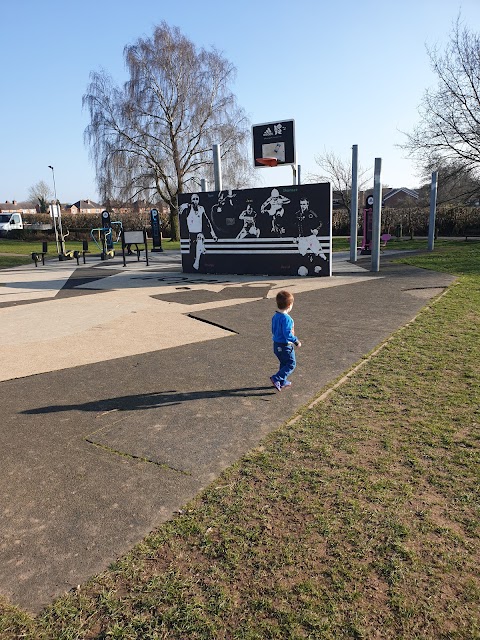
<point x="451" y="220"/>
<point x="79" y="226"/>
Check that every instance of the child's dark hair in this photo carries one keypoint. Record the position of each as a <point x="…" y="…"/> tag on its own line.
<point x="284" y="299"/>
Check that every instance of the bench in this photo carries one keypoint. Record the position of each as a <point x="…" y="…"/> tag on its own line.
<point x="384" y="238"/>
<point x="472" y="232"/>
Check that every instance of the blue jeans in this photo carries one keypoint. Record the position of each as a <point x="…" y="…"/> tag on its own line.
<point x="286" y="355"/>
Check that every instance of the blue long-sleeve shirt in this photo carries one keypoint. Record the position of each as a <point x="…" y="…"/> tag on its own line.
<point x="283" y="328"/>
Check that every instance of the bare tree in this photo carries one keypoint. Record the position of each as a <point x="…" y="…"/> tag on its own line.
<point x="154" y="135"/>
<point x="41" y="193"/>
<point x="338" y="172"/>
<point x="449" y="127"/>
<point x="456" y="182"/>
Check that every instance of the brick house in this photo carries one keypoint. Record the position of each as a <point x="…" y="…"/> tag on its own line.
<point x="402" y="197"/>
<point x="84" y="206"/>
<point x="18" y="207"/>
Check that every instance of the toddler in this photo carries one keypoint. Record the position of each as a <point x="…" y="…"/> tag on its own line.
<point x="284" y="340"/>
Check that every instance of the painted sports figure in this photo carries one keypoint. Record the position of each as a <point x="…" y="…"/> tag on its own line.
<point x="274" y="207"/>
<point x="196" y="219"/>
<point x="308" y="226"/>
<point x="249" y="227"/>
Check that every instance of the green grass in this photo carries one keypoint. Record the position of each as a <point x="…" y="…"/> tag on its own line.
<point x="20" y="251"/>
<point x="358" y="521"/>
<point x="6" y="262"/>
<point x="17" y="252"/>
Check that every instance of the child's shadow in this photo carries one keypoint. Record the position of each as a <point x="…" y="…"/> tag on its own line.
<point x="153" y="400"/>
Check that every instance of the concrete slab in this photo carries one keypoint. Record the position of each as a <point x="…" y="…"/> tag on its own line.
<point x="95" y="456"/>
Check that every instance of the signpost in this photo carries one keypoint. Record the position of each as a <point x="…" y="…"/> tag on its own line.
<point x="156" y="231"/>
<point x="107" y="235"/>
<point x="367" y="227"/>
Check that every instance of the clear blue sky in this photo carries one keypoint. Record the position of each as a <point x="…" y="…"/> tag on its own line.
<point x="348" y="72"/>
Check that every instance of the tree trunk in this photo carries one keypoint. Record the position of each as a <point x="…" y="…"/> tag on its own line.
<point x="174" y="226"/>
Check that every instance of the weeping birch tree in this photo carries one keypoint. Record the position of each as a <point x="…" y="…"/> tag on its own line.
<point x="152" y="137"/>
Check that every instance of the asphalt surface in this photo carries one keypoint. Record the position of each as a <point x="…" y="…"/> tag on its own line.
<point x="125" y="391"/>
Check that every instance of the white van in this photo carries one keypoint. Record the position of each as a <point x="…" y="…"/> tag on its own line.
<point x="10" y="222"/>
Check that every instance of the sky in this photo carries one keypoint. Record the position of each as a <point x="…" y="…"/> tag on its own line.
<point x="348" y="72"/>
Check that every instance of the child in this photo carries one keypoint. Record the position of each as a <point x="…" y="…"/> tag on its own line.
<point x="284" y="340"/>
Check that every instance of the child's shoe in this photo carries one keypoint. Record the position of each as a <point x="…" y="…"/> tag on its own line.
<point x="287" y="383"/>
<point x="276" y="384"/>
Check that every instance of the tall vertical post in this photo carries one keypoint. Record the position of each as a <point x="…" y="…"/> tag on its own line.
<point x="217" y="167"/>
<point x="433" y="209"/>
<point x="55" y="213"/>
<point x="354" y="205"/>
<point x="377" y="214"/>
<point x="203" y="184"/>
<point x="299" y="174"/>
<point x="62" y="237"/>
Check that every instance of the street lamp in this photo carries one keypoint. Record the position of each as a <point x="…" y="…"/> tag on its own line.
<point x="54" y="187"/>
<point x="203" y="184"/>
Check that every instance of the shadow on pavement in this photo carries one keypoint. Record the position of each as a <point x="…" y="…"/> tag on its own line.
<point x="153" y="400"/>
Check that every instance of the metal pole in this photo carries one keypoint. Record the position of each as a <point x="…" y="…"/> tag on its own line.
<point x="217" y="167"/>
<point x="62" y="240"/>
<point x="54" y="210"/>
<point x="354" y="205"/>
<point x="294" y="170"/>
<point x="377" y="215"/>
<point x="203" y="184"/>
<point x="433" y="208"/>
<point x="298" y="174"/>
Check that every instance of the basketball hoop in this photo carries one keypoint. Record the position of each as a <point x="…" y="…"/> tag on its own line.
<point x="268" y="162"/>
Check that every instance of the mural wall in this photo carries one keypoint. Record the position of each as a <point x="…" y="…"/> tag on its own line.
<point x="272" y="231"/>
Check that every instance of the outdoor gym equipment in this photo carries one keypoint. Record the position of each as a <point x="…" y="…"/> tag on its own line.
<point x="37" y="255"/>
<point x="63" y="254"/>
<point x="77" y="253"/>
<point x="107" y="236"/>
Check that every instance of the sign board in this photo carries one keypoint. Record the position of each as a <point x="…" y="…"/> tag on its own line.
<point x="271" y="231"/>
<point x="134" y="237"/>
<point x="54" y="210"/>
<point x="274" y="140"/>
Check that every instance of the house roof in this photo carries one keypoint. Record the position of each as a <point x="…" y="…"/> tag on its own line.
<point x="408" y="192"/>
<point x="17" y="206"/>
<point x="86" y="204"/>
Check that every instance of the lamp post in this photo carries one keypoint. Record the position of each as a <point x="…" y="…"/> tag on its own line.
<point x="54" y="187"/>
<point x="61" y="249"/>
<point x="203" y="184"/>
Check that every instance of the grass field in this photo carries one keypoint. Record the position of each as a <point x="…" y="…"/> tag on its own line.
<point x="360" y="520"/>
<point x="16" y="252"/>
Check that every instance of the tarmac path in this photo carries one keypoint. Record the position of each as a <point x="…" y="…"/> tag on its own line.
<point x="125" y="391"/>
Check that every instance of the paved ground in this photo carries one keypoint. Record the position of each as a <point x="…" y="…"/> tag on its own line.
<point x="124" y="391"/>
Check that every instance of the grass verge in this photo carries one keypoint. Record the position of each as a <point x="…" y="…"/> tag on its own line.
<point x="20" y="251"/>
<point x="359" y="520"/>
<point x="17" y="252"/>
